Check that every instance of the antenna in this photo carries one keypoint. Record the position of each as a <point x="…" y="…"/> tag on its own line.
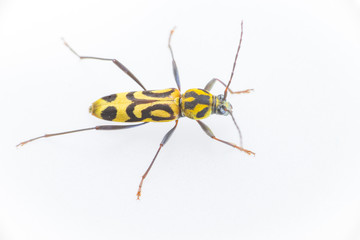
<point x="237" y="127"/>
<point x="237" y="53"/>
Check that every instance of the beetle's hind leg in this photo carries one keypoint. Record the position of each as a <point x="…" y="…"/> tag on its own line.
<point x="102" y="127"/>
<point x="116" y="62"/>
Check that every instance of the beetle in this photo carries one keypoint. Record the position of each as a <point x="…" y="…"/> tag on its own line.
<point x="160" y="106"/>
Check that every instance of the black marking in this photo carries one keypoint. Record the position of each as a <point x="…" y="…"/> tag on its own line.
<point x="110" y="98"/>
<point x="202" y="113"/>
<point x="204" y="91"/>
<point x="190" y="105"/>
<point x="109" y="113"/>
<point x="159" y="95"/>
<point x="132" y="98"/>
<point x="146" y="113"/>
<point x="198" y="99"/>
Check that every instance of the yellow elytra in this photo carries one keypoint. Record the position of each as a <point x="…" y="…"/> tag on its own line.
<point x="140" y="106"/>
<point x="160" y="106"/>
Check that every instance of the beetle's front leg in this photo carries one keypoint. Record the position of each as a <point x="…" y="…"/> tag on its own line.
<point x="211" y="83"/>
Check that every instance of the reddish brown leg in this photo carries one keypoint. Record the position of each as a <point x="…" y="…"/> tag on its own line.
<point x="208" y="131"/>
<point x="165" y="139"/>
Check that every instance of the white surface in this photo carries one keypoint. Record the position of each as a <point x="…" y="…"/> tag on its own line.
<point x="301" y="57"/>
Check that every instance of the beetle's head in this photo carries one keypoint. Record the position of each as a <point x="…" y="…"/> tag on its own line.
<point x="223" y="107"/>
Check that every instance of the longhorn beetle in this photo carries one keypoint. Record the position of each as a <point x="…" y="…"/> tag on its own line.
<point x="160" y="106"/>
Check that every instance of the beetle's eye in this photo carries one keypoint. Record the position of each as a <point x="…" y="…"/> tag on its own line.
<point x="220" y="97"/>
<point x="221" y="110"/>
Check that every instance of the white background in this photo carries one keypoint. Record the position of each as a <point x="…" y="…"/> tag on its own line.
<point x="301" y="57"/>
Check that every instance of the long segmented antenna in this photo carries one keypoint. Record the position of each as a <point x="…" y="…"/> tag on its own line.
<point x="237" y="53"/>
<point x="240" y="135"/>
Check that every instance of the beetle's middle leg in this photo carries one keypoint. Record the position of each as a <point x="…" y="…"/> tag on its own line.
<point x="165" y="139"/>
<point x="175" y="69"/>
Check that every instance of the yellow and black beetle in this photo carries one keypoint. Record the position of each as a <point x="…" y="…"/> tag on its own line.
<point x="160" y="106"/>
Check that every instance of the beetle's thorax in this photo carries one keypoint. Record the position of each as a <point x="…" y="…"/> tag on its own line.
<point x="199" y="104"/>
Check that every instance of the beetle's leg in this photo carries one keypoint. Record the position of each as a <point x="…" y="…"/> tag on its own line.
<point x="165" y="139"/>
<point x="102" y="127"/>
<point x="208" y="131"/>
<point x="211" y="83"/>
<point x="116" y="62"/>
<point x="175" y="70"/>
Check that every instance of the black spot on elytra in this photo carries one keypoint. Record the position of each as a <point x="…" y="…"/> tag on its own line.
<point x="110" y="98"/>
<point x="109" y="113"/>
<point x="202" y="113"/>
